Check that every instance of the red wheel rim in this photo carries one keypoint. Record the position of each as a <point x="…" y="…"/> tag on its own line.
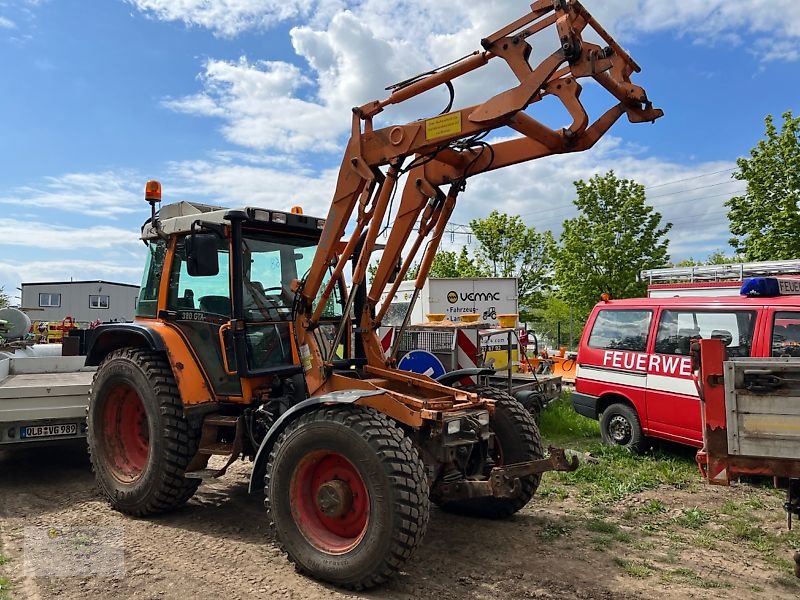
<point x="329" y="501"/>
<point x="125" y="433"/>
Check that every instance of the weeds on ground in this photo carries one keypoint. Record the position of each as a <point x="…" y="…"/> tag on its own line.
<point x="5" y="588"/>
<point x="685" y="576"/>
<point x="693" y="518"/>
<point x="553" y="531"/>
<point x="653" y="507"/>
<point x="618" y="474"/>
<point x="559" y="422"/>
<point x="4" y="560"/>
<point x="637" y="569"/>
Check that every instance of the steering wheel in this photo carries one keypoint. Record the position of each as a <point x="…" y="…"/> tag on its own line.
<point x="277" y="288"/>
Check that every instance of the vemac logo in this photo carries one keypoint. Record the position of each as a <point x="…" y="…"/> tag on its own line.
<point x="654" y="364"/>
<point x="453" y="297"/>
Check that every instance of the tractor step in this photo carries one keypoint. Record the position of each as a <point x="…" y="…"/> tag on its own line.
<point x="204" y="474"/>
<point x="216" y="448"/>
<point x="220" y="420"/>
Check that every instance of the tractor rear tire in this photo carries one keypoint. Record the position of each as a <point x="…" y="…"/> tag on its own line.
<point x="346" y="496"/>
<point x="517" y="440"/>
<point x="140" y="442"/>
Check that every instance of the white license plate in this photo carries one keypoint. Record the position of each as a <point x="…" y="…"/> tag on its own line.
<point x="36" y="431"/>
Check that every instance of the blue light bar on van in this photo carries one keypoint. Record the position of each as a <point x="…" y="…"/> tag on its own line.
<point x="769" y="287"/>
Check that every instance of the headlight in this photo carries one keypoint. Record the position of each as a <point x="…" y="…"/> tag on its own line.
<point x="454" y="426"/>
<point x="483" y="418"/>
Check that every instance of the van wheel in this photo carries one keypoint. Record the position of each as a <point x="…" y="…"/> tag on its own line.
<point x="620" y="426"/>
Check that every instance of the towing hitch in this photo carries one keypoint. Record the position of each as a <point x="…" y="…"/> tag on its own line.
<point x="503" y="482"/>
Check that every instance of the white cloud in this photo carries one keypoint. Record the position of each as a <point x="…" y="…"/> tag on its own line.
<point x="238" y="184"/>
<point x="57" y="237"/>
<point x="225" y="18"/>
<point x="106" y="194"/>
<point x="6" y="23"/>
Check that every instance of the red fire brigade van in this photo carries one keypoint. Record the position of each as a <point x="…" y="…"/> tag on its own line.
<point x="634" y="370"/>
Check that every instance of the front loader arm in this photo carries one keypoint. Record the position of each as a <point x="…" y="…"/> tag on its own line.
<point x="446" y="150"/>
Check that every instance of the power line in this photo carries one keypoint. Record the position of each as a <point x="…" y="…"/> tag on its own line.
<point x="658" y="185"/>
<point x="703" y="187"/>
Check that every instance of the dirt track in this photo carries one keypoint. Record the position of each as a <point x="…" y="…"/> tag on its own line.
<point x="218" y="547"/>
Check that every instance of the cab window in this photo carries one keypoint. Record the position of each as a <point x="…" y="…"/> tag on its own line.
<point x="786" y="334"/>
<point x="209" y="295"/>
<point x="147" y="302"/>
<point x="621" y="330"/>
<point x="678" y="328"/>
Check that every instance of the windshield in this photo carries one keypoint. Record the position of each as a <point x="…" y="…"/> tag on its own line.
<point x="270" y="264"/>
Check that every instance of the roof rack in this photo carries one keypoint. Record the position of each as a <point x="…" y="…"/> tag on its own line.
<point x="727" y="272"/>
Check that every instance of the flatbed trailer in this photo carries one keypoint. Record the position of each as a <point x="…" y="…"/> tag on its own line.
<point x="751" y="420"/>
<point x="43" y="397"/>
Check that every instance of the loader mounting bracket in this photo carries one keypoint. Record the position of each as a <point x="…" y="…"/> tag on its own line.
<point x="503" y="482"/>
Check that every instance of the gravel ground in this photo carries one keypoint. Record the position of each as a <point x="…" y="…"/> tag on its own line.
<point x="218" y="546"/>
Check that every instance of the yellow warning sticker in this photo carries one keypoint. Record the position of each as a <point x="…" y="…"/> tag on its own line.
<point x="449" y="124"/>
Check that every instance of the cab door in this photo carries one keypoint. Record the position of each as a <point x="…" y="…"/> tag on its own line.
<point x="198" y="307"/>
<point x="672" y="401"/>
<point x="673" y="406"/>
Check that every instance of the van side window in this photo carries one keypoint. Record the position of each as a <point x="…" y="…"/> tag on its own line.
<point x="621" y="330"/>
<point x="786" y="334"/>
<point x="678" y="328"/>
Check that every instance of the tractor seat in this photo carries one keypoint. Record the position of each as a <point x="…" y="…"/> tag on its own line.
<point x="218" y="305"/>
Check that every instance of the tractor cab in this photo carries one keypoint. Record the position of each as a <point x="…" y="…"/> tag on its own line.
<point x="227" y="280"/>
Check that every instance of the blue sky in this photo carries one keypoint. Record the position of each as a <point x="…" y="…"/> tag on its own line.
<point x="246" y="102"/>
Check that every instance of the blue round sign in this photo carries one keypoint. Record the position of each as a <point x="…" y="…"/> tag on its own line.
<point x="422" y="362"/>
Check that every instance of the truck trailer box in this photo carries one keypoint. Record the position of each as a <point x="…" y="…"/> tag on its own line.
<point x="487" y="297"/>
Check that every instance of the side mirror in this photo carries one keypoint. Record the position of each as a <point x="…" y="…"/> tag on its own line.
<point x="201" y="255"/>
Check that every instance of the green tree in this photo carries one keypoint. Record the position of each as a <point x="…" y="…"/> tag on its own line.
<point x="766" y="220"/>
<point x="554" y="310"/>
<point x="446" y="263"/>
<point x="508" y="248"/>
<point x="615" y="236"/>
<point x="4" y="299"/>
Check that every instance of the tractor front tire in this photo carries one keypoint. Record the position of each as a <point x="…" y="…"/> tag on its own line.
<point x="346" y="496"/>
<point x="140" y="442"/>
<point x="517" y="440"/>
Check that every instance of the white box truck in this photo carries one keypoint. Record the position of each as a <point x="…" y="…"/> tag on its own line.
<point x="487" y="297"/>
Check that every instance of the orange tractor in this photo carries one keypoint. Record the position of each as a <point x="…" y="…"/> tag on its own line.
<point x="249" y="341"/>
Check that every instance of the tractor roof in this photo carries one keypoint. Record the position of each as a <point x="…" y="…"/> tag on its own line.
<point x="178" y="217"/>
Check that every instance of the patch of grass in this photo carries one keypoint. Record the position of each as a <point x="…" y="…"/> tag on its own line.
<point x="704" y="540"/>
<point x="5" y="588"/>
<point x="552" y="493"/>
<point x="601" y="526"/>
<point x="782" y="564"/>
<point x="744" y="531"/>
<point x="553" y="531"/>
<point x="651" y="528"/>
<point x="688" y="577"/>
<point x="730" y="507"/>
<point x="637" y="569"/>
<point x="653" y="507"/>
<point x="559" y="421"/>
<point x="609" y="532"/>
<point x="693" y="518"/>
<point x="619" y="474"/>
<point x="4" y="560"/>
<point x="791" y="538"/>
<point x="756" y="503"/>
